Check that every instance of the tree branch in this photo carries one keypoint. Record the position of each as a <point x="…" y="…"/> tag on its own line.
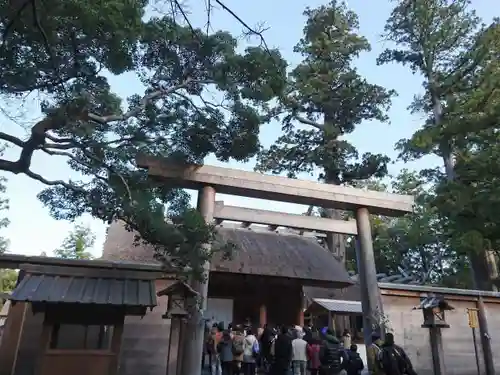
<point x="39" y="134"/>
<point x="148" y="98"/>
<point x="306" y="121"/>
<point x="11" y="139"/>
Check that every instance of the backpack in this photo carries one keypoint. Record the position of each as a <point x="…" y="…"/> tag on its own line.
<point x="251" y="347"/>
<point x="331" y="357"/>
<point x="238" y="345"/>
<point x="255" y="348"/>
<point x="354" y="363"/>
<point x="391" y="361"/>
<point x="210" y="345"/>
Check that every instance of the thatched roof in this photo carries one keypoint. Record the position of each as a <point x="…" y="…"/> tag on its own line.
<point x="257" y="253"/>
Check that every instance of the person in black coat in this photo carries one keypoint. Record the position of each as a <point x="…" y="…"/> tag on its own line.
<point x="282" y="353"/>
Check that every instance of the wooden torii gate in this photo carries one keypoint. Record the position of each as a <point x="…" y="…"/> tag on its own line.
<point x="209" y="179"/>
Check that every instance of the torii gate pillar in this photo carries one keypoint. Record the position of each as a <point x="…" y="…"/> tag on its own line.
<point x="195" y="328"/>
<point x="370" y="294"/>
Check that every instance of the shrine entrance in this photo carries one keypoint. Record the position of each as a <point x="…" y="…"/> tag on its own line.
<point x="209" y="180"/>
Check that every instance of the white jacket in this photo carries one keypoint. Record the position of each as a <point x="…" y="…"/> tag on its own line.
<point x="248" y="345"/>
<point x="299" y="350"/>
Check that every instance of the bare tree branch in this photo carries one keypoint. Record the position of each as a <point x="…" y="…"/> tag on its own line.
<point x="306" y="121"/>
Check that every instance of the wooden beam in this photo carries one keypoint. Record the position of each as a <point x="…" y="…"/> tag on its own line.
<point x="257" y="185"/>
<point x="267" y="229"/>
<point x="278" y="219"/>
<point x="14" y="261"/>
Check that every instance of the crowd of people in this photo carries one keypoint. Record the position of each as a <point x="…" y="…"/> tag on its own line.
<point x="240" y="350"/>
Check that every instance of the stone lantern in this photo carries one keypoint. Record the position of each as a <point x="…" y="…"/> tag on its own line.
<point x="433" y="308"/>
<point x="181" y="298"/>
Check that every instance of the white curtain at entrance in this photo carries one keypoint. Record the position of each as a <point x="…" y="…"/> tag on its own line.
<point x="219" y="310"/>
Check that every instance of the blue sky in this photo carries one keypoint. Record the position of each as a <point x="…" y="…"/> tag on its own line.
<point x="32" y="230"/>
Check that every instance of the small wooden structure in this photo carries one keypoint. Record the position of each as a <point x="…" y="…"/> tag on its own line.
<point x="83" y="313"/>
<point x="180" y="295"/>
<point x="434" y="308"/>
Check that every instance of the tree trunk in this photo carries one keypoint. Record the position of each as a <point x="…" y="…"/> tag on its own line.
<point x="336" y="242"/>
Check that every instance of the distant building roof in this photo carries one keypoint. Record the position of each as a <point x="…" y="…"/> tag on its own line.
<point x="339" y="306"/>
<point x="353" y="292"/>
<point x="257" y="253"/>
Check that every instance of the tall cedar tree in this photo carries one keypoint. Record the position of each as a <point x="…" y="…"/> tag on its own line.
<point x="325" y="100"/>
<point x="63" y="53"/>
<point x="444" y="42"/>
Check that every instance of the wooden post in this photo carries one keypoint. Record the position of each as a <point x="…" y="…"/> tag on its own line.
<point x="436" y="340"/>
<point x="262" y="315"/>
<point x="195" y="327"/>
<point x="116" y="341"/>
<point x="300" y="317"/>
<point x="483" y="329"/>
<point x="13" y="330"/>
<point x="331" y="323"/>
<point x="485" y="337"/>
<point x="371" y="300"/>
<point x="174" y="346"/>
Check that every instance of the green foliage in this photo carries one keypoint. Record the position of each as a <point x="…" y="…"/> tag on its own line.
<point x="430" y="38"/>
<point x="177" y="117"/>
<point x="416" y="244"/>
<point x="325" y="100"/>
<point x="8" y="280"/>
<point x="458" y="58"/>
<point x="77" y="244"/>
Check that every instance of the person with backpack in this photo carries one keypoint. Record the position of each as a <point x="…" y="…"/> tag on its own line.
<point x="373" y="355"/>
<point x="282" y="351"/>
<point x="213" y="340"/>
<point x="313" y="351"/>
<point x="238" y="348"/>
<point x="250" y="353"/>
<point x="331" y="355"/>
<point x="225" y="350"/>
<point x="353" y="363"/>
<point x="393" y="359"/>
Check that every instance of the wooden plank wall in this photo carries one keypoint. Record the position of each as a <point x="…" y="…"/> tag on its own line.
<point x="493" y="316"/>
<point x="145" y="340"/>
<point x="457" y="340"/>
<point x="30" y="345"/>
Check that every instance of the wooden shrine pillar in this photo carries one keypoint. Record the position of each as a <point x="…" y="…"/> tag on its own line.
<point x="262" y="315"/>
<point x="370" y="294"/>
<point x="195" y="327"/>
<point x="300" y="317"/>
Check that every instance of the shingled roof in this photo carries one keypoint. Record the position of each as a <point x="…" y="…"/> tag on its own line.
<point x="353" y="292"/>
<point x="257" y="253"/>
